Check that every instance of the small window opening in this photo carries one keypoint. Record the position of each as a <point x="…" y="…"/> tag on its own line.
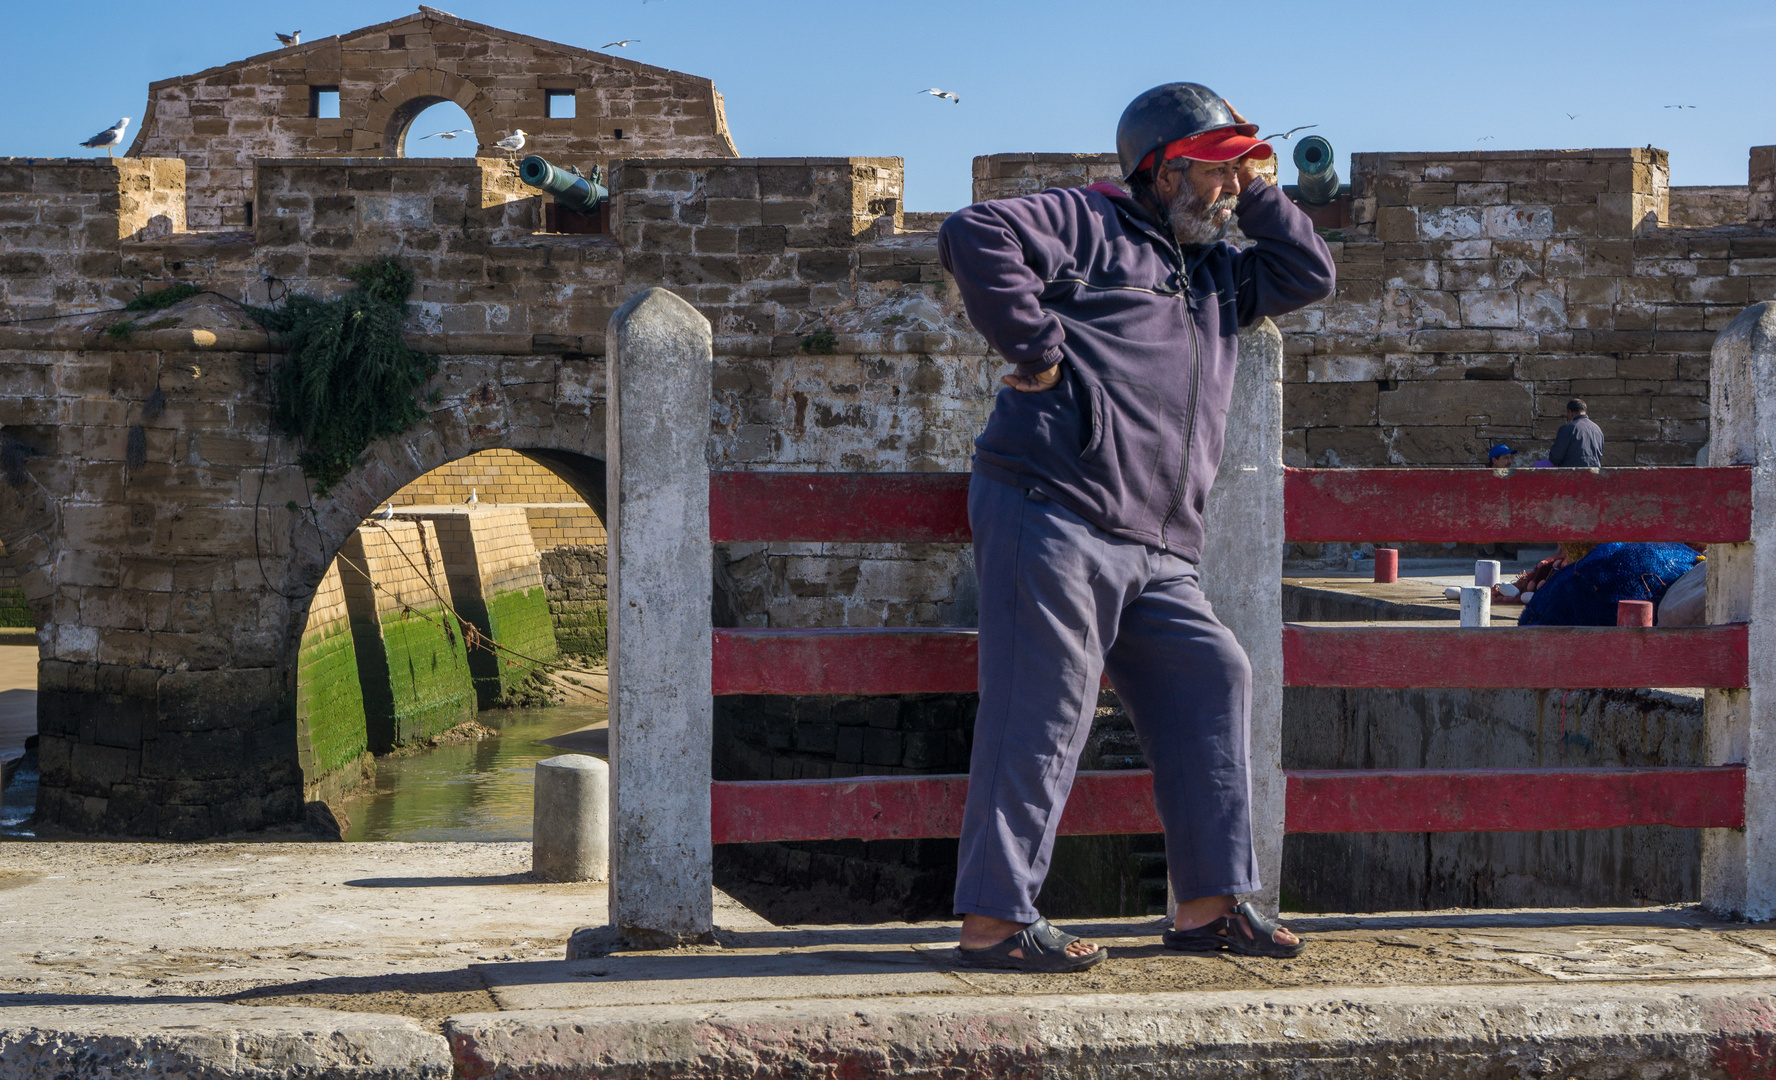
<point x="397" y="41"/>
<point x="561" y="104"/>
<point x="249" y="213"/>
<point x="323" y="102"/>
<point x="617" y="134"/>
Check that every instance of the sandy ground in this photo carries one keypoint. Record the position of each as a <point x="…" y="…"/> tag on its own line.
<point x="428" y="930"/>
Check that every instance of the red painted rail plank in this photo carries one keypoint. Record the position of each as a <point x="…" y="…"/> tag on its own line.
<point x="1535" y="657"/>
<point x="1513" y="800"/>
<point x="844" y="661"/>
<point x="835" y="507"/>
<point x="1698" y="505"/>
<point x="1407" y="800"/>
<point x="920" y="661"/>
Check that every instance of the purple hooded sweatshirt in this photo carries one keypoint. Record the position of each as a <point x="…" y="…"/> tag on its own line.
<point x="1148" y="336"/>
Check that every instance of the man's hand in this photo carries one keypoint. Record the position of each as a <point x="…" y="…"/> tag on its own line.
<point x="1034" y="384"/>
<point x="1248" y="170"/>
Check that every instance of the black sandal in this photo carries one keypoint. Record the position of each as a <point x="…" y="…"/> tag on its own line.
<point x="1255" y="937"/>
<point x="1045" y="950"/>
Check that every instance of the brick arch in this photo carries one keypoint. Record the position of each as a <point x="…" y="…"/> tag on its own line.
<point x="393" y="108"/>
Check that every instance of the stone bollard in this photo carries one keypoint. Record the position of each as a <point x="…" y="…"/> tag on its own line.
<point x="1242" y="569"/>
<point x="570" y="819"/>
<point x="661" y="638"/>
<point x="1739" y="726"/>
<point x="1486" y="572"/>
<point x="1476" y="605"/>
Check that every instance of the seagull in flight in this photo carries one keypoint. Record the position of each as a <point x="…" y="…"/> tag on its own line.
<point x="1484" y="138"/>
<point x="1572" y="116"/>
<point x="108" y="138"/>
<point x="624" y="44"/>
<point x="1288" y="133"/>
<point x="292" y="38"/>
<point x="1680" y="106"/>
<point x="512" y="143"/>
<point x="451" y="134"/>
<point x="936" y="93"/>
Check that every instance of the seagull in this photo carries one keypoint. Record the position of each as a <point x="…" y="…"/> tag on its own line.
<point x="108" y="138"/>
<point x="1484" y="138"/>
<point x="386" y="513"/>
<point x="935" y="92"/>
<point x="1572" y="116"/>
<point x="1288" y="133"/>
<point x="451" y="134"/>
<point x="624" y="44"/>
<point x="292" y="38"/>
<point x="1680" y="106"/>
<point x="513" y="142"/>
<point x="473" y="498"/>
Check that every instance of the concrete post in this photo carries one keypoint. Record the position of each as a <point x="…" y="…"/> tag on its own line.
<point x="1739" y="726"/>
<point x="570" y="819"/>
<point x="1242" y="573"/>
<point x="1476" y="601"/>
<point x="657" y="425"/>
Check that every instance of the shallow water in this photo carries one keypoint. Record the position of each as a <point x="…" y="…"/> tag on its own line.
<point x="470" y="790"/>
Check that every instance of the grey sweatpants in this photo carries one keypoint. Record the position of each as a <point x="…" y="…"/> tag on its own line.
<point x="1062" y="602"/>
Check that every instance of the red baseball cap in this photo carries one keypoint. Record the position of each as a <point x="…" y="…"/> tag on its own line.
<point x="1221" y="144"/>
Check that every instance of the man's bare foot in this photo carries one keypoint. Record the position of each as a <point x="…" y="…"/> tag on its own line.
<point x="984" y="932"/>
<point x="1204" y="910"/>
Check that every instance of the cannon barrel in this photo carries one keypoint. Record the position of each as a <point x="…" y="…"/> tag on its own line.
<point x="570" y="189"/>
<point x="1318" y="182"/>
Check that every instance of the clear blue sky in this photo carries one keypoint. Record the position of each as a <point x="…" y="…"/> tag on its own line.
<point x="836" y="77"/>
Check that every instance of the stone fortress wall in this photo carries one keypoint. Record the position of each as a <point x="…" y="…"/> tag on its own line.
<point x="1477" y="291"/>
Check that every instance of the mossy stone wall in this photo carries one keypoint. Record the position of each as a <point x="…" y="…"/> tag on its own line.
<point x="329" y="706"/>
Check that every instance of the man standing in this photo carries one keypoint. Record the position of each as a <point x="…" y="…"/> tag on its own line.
<point x="1579" y="442"/>
<point x="1121" y="312"/>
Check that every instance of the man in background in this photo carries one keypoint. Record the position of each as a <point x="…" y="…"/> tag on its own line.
<point x="1501" y="457"/>
<point x="1579" y="442"/>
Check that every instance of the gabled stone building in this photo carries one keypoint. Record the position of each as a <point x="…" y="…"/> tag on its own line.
<point x="570" y="102"/>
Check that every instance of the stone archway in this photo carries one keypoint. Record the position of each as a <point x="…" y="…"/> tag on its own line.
<point x="394" y="108"/>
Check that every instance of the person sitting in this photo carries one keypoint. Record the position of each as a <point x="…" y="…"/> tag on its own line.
<point x="1585" y="590"/>
<point x="1501" y="457"/>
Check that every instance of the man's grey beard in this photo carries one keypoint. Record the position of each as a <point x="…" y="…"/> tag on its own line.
<point x="1195" y="222"/>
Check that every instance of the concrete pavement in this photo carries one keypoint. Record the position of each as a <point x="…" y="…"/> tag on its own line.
<point x="423" y="960"/>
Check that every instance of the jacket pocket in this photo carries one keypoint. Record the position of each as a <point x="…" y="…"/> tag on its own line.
<point x="1094" y="415"/>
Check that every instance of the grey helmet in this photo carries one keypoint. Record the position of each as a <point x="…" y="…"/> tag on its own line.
<point x="1167" y="113"/>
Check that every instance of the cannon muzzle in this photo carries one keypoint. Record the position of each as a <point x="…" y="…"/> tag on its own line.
<point x="570" y="188"/>
<point x="1318" y="182"/>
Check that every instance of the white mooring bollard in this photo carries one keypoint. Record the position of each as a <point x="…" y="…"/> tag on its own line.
<point x="1739" y="726"/>
<point x="660" y="360"/>
<point x="570" y="819"/>
<point x="1476" y="605"/>
<point x="1486" y="572"/>
<point x="1242" y="573"/>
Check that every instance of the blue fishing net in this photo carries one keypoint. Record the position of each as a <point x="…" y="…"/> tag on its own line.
<point x="1585" y="593"/>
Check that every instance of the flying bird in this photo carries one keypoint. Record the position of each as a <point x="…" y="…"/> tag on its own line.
<point x="624" y="44"/>
<point x="935" y="92"/>
<point x="512" y="143"/>
<point x="1680" y="106"/>
<point x="1572" y="116"/>
<point x="292" y="38"/>
<point x="387" y="513"/>
<point x="473" y="498"/>
<point x="451" y="134"/>
<point x="1288" y="133"/>
<point x="1484" y="138"/>
<point x="108" y="138"/>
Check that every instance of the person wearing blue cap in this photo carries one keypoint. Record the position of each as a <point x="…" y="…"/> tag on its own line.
<point x="1500" y="457"/>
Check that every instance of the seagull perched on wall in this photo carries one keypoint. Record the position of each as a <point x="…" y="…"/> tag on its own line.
<point x="108" y="138"/>
<point x="292" y="38"/>
<point x="512" y="143"/>
<point x="935" y="92"/>
<point x="624" y="44"/>
<point x="387" y="513"/>
<point x="473" y="498"/>
<point x="451" y="134"/>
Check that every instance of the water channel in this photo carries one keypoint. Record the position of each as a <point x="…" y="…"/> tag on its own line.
<point x="478" y="790"/>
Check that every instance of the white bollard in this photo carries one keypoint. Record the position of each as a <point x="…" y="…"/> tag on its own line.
<point x="1242" y="568"/>
<point x="661" y="705"/>
<point x="1739" y="726"/>
<point x="1486" y="572"/>
<point x="570" y="819"/>
<point x="1476" y="605"/>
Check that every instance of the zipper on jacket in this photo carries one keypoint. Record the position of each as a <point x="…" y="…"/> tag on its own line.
<point x="1190" y="424"/>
